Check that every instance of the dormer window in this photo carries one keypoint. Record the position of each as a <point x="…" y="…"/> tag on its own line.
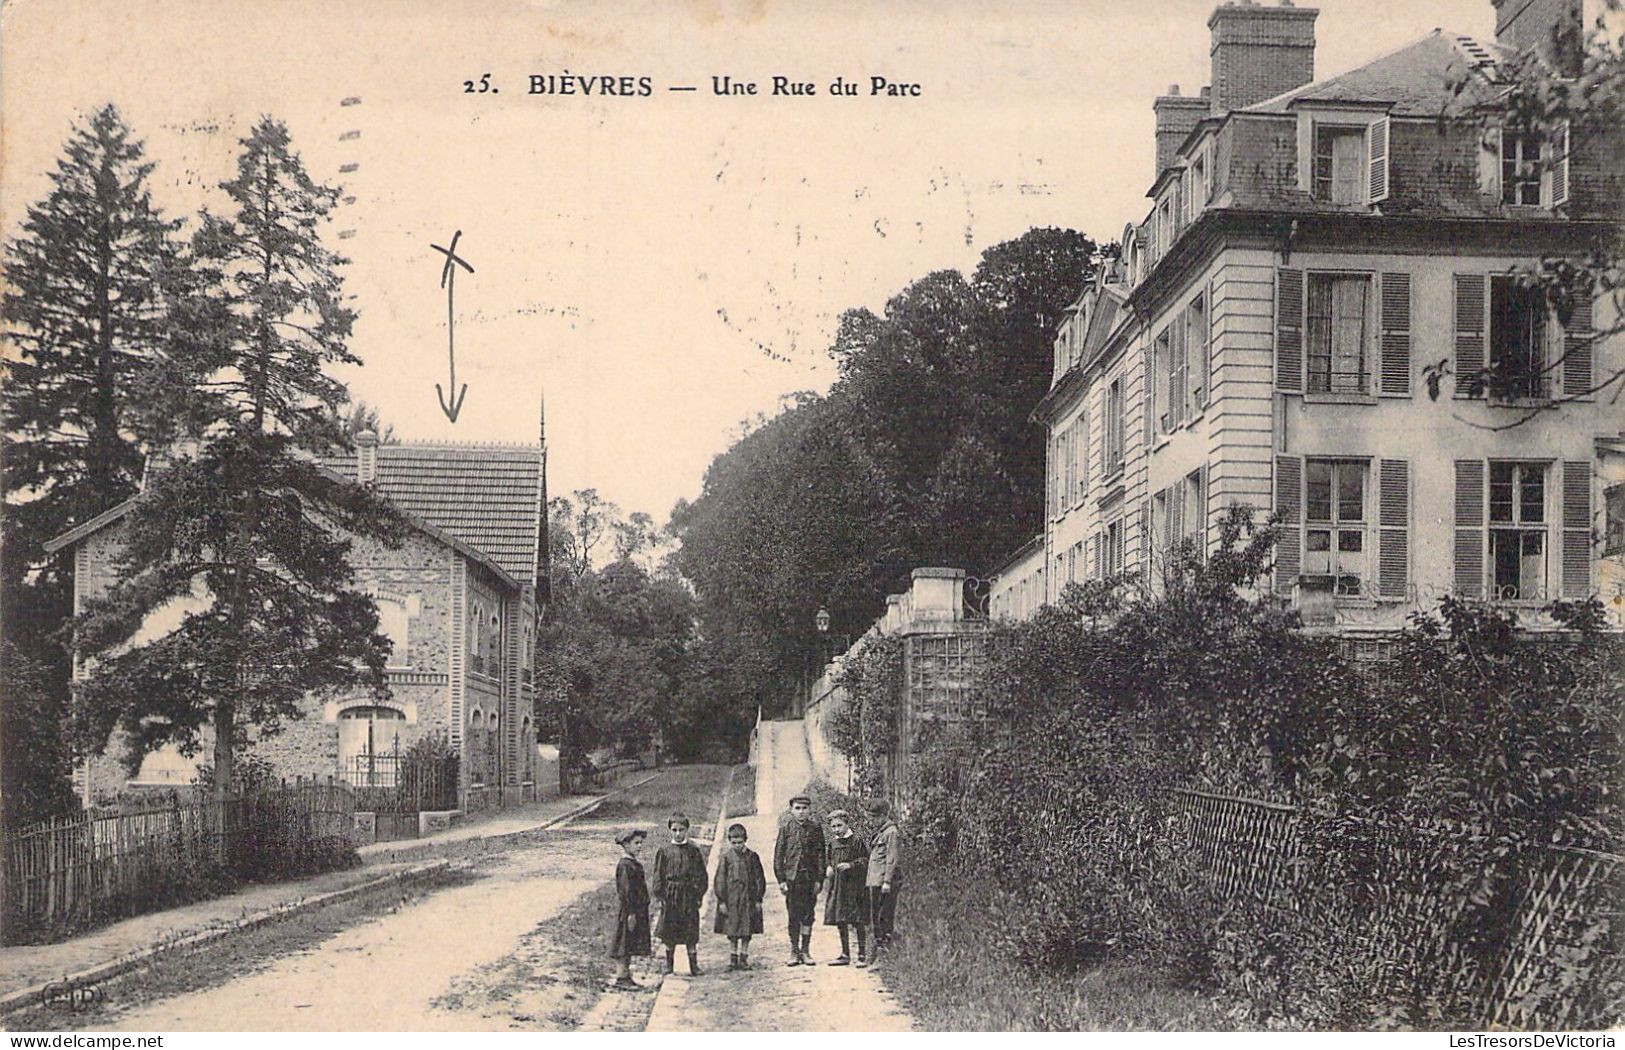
<point x="1521" y="168"/>
<point x="1340" y="164"/>
<point x="1526" y="168"/>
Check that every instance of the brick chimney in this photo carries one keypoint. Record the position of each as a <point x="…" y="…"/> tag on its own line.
<point x="1260" y="52"/>
<point x="1177" y="116"/>
<point x="366" y="457"/>
<point x="1553" y="28"/>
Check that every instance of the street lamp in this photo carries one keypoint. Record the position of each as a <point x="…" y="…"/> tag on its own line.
<point x="822" y="620"/>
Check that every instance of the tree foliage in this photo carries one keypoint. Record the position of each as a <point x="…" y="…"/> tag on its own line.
<point x="921" y="454"/>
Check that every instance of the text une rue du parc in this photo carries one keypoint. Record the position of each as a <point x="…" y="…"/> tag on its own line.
<point x="723" y="85"/>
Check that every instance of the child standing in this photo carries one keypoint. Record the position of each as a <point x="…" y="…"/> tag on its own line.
<point x="798" y="866"/>
<point x="679" y="886"/>
<point x="846" y="905"/>
<point x="884" y="875"/>
<point x="739" y="887"/>
<point x="632" y="921"/>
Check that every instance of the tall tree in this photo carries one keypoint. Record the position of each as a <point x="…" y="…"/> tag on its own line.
<point x="91" y="284"/>
<point x="246" y="522"/>
<point x="921" y="454"/>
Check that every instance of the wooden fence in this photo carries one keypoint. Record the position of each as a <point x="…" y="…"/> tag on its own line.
<point x="1507" y="957"/>
<point x="70" y="874"/>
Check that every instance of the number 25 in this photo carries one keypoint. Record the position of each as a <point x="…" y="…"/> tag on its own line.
<point x="484" y="85"/>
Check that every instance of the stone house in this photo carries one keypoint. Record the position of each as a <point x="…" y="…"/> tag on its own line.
<point x="1312" y="248"/>
<point x="458" y="598"/>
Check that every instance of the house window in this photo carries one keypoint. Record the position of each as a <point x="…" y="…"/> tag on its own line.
<point x="1518" y="531"/>
<point x="1195" y="510"/>
<point x="1114" y="426"/>
<point x="1197" y="351"/>
<point x="1161" y="364"/>
<point x="1340" y="167"/>
<point x="1337" y="333"/>
<point x="1080" y="456"/>
<point x="1334" y="542"/>
<point x="393" y="620"/>
<point x="1199" y="191"/>
<point x="1517" y="340"/>
<point x="1613" y="536"/>
<point x="1114" y="548"/>
<point x="1520" y="168"/>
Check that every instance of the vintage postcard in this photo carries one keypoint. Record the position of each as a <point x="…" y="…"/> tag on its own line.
<point x="735" y="515"/>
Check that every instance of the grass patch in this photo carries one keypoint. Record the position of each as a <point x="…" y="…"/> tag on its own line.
<point x="951" y="969"/>
<point x="694" y="790"/>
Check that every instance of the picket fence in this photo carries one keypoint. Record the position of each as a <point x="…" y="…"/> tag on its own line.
<point x="70" y="874"/>
<point x="1420" y="941"/>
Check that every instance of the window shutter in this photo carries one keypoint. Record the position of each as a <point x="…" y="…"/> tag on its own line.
<point x="1393" y="519"/>
<point x="1469" y="331"/>
<point x="1376" y="140"/>
<point x="1289" y="505"/>
<point x="1576" y="528"/>
<point x="1469" y="552"/>
<point x="1289" y="331"/>
<point x="1489" y="164"/>
<point x="1176" y="514"/>
<point x="1202" y="503"/>
<point x="1207" y="347"/>
<point x="1560" y="168"/>
<point x="1145" y="540"/>
<point x="1069" y="457"/>
<point x="1150" y="399"/>
<point x="1396" y="334"/>
<point x="1577" y="363"/>
<point x="1177" y="392"/>
<point x="1083" y="457"/>
<point x="1098" y="573"/>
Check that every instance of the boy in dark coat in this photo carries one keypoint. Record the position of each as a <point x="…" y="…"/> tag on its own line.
<point x="679" y="886"/>
<point x="847" y="904"/>
<point x="798" y="867"/>
<point x="631" y="935"/>
<point x="885" y="876"/>
<point x="739" y="887"/>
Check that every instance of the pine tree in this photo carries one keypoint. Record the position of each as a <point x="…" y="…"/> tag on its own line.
<point x="249" y="526"/>
<point x="91" y="282"/>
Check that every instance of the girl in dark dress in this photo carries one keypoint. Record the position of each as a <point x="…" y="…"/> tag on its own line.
<point x="846" y="905"/>
<point x="631" y="935"/>
<point x="679" y="885"/>
<point x="739" y="886"/>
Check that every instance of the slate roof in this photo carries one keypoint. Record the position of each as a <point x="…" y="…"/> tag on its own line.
<point x="1415" y="80"/>
<point x="487" y="496"/>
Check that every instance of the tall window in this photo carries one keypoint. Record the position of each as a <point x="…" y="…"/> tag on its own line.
<point x="1161" y="362"/>
<point x="1520" y="168"/>
<point x="1340" y="167"/>
<point x="1114" y="548"/>
<point x="1613" y="536"/>
<point x="1518" y="530"/>
<point x="1114" y="426"/>
<point x="1334" y="523"/>
<point x="1194" y="517"/>
<point x="1196" y="332"/>
<point x="1517" y="339"/>
<point x="1337" y="333"/>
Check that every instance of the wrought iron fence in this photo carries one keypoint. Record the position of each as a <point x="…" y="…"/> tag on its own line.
<point x="1420" y="938"/>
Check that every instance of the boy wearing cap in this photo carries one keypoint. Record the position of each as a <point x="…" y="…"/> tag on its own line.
<point x="679" y="886"/>
<point x="798" y="866"/>
<point x="885" y="856"/>
<point x="631" y="935"/>
<point x="739" y="888"/>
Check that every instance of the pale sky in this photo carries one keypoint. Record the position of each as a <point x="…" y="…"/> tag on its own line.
<point x="666" y="266"/>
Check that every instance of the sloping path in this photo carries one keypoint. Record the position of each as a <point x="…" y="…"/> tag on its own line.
<point x="773" y="997"/>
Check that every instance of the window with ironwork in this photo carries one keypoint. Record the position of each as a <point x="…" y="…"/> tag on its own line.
<point x="1337" y="333"/>
<point x="1518" y="531"/>
<point x="1334" y="531"/>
